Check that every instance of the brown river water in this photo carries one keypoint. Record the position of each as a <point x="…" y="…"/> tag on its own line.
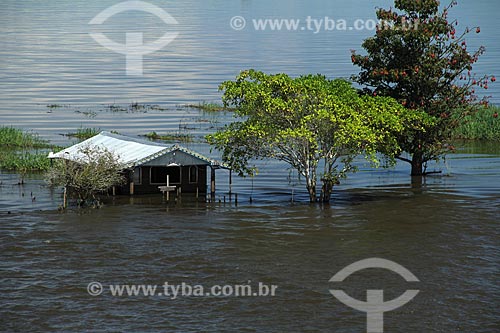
<point x="445" y="231"/>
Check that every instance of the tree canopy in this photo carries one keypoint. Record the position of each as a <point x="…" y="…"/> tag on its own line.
<point x="418" y="57"/>
<point x="316" y="125"/>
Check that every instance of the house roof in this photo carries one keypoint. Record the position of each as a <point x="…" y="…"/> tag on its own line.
<point x="131" y="152"/>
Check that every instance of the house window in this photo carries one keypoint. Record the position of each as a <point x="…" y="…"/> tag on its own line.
<point x="175" y="174"/>
<point x="159" y="175"/>
<point x="137" y="176"/>
<point x="193" y="174"/>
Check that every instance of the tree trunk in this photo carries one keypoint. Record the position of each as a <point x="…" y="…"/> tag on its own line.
<point x="417" y="164"/>
<point x="310" y="175"/>
<point x="326" y="191"/>
<point x="416" y="182"/>
<point x="312" y="193"/>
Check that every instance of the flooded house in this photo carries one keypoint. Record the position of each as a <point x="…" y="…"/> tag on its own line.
<point x="151" y="167"/>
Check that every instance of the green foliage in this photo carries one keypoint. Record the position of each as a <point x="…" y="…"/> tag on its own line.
<point x="481" y="125"/>
<point x="11" y="137"/>
<point x="171" y="137"/>
<point x="308" y="122"/>
<point x="94" y="171"/>
<point x="210" y="107"/>
<point x="20" y="151"/>
<point x="84" y="133"/>
<point x="418" y="58"/>
<point x="24" y="161"/>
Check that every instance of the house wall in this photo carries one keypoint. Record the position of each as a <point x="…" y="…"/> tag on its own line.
<point x="144" y="184"/>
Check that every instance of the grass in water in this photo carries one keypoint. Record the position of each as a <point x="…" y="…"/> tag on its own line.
<point x="11" y="137"/>
<point x="172" y="137"/>
<point x="209" y="107"/>
<point x="84" y="133"/>
<point x="23" y="152"/>
<point x="134" y="107"/>
<point x="24" y="161"/>
<point x="481" y="125"/>
<point x="115" y="108"/>
<point x="54" y="106"/>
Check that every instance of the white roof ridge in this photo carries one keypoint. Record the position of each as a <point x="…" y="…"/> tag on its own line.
<point x="130" y="151"/>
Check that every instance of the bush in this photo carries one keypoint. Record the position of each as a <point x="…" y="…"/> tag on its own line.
<point x="94" y="171"/>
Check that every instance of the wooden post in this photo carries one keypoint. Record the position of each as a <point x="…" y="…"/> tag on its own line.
<point x="131" y="188"/>
<point x="168" y="184"/>
<point x="179" y="193"/>
<point x="212" y="182"/>
<point x="114" y="190"/>
<point x="64" y="198"/>
<point x="167" y="189"/>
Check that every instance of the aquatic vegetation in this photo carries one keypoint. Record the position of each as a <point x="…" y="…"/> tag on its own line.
<point x="134" y="107"/>
<point x="89" y="114"/>
<point x="24" y="161"/>
<point x="209" y="107"/>
<point x="157" y="107"/>
<point x="84" y="133"/>
<point x="115" y="108"/>
<point x="23" y="152"/>
<point x="481" y="125"/>
<point x="54" y="106"/>
<point x="11" y="137"/>
<point x="173" y="137"/>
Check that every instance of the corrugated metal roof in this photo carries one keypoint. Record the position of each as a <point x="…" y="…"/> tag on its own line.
<point x="130" y="151"/>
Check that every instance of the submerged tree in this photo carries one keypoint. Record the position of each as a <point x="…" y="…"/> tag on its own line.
<point x="418" y="58"/>
<point x="93" y="171"/>
<point x="317" y="126"/>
